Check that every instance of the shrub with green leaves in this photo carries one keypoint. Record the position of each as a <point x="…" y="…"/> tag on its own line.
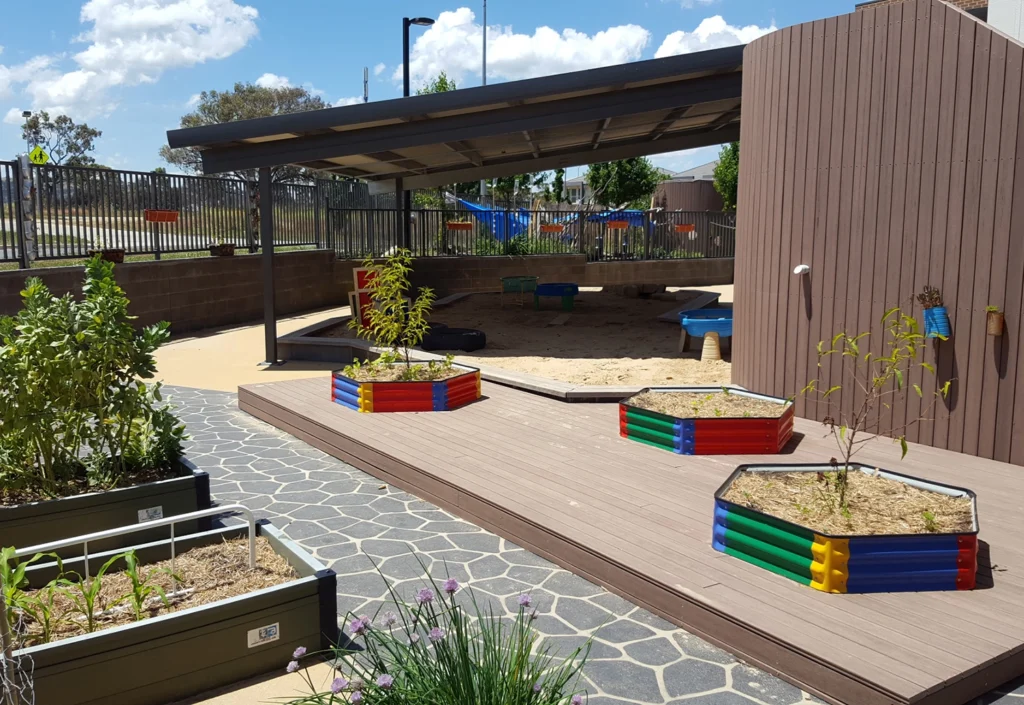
<point x="444" y="649"/>
<point x="75" y="409"/>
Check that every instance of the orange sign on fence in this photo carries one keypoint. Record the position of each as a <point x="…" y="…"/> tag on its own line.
<point x="552" y="228"/>
<point x="686" y="228"/>
<point x="154" y="215"/>
<point x="459" y="226"/>
<point x="618" y="224"/>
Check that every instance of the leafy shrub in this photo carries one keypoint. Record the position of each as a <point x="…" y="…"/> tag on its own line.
<point x="75" y="411"/>
<point x="446" y="650"/>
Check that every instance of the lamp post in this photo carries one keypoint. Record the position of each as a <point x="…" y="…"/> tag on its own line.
<point x="407" y="196"/>
<point x="26" y="114"/>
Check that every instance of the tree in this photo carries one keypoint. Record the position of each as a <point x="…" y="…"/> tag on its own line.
<point x="441" y="84"/>
<point x="727" y="175"/>
<point x="625" y="183"/>
<point x="244" y="102"/>
<point x="160" y="170"/>
<point x="557" y="190"/>
<point x="67" y="144"/>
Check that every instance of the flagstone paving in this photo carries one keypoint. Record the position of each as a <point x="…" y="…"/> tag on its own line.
<point x="364" y="529"/>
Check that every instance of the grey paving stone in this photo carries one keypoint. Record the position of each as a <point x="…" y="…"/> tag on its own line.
<point x="652" y="620"/>
<point x="625" y="679"/>
<point x="528" y="575"/>
<point x="582" y="614"/>
<point x="365" y="584"/>
<point x="483" y="542"/>
<point x="690" y="677"/>
<point x="564" y="646"/>
<point x="340" y="551"/>
<point x="487" y="567"/>
<point x="613" y="603"/>
<point x="698" y="648"/>
<point x="400" y="520"/>
<point x="623" y="630"/>
<point x="313" y="511"/>
<point x="721" y="698"/>
<point x="654" y="652"/>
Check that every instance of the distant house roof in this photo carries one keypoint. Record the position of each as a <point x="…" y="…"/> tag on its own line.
<point x="582" y="178"/>
<point x="704" y="172"/>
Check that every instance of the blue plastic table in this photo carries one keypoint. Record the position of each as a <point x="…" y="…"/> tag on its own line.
<point x="697" y="324"/>
<point x="565" y="291"/>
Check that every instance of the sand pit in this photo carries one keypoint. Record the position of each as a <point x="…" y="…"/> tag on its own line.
<point x="607" y="339"/>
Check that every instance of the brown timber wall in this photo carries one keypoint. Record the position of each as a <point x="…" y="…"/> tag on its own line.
<point x="687" y="196"/>
<point x="882" y="148"/>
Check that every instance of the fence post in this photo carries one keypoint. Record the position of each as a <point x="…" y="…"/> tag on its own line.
<point x="316" y="212"/>
<point x="648" y="230"/>
<point x="26" y="226"/>
<point x="154" y="227"/>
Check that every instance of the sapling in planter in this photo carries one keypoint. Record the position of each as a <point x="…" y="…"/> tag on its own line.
<point x="879" y="380"/>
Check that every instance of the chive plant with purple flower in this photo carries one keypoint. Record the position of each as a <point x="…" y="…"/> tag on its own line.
<point x="440" y="650"/>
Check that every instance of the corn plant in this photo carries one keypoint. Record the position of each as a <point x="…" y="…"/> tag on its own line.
<point x="12" y="576"/>
<point x="143" y="587"/>
<point x="878" y="380"/>
<point x="390" y="321"/>
<point x="84" y="593"/>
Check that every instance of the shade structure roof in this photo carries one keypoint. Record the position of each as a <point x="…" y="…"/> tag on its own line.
<point x="570" y="119"/>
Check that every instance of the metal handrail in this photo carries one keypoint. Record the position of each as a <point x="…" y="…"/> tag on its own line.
<point x="84" y="539"/>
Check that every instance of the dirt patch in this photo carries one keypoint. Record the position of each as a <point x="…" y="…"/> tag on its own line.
<point x="606" y="340"/>
<point x="208" y="574"/>
<point x="74" y="486"/>
<point x="708" y="405"/>
<point x="417" y="372"/>
<point x="878" y="505"/>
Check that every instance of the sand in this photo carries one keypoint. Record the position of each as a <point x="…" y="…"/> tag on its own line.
<point x="606" y="340"/>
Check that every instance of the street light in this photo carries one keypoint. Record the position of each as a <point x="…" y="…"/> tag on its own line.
<point x="406" y="196"/>
<point x="28" y="140"/>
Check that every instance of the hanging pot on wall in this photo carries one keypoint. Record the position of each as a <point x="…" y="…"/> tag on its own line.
<point x="936" y="322"/>
<point x="994" y="322"/>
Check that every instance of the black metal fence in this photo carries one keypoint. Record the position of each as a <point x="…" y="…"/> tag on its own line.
<point x="77" y="210"/>
<point x="355" y="233"/>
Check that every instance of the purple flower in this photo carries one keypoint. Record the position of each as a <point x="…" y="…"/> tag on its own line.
<point x="390" y="619"/>
<point x="356" y="697"/>
<point x="385" y="681"/>
<point x="359" y="625"/>
<point x="525" y="600"/>
<point x="339" y="685"/>
<point x="414" y="638"/>
<point x="299" y="652"/>
<point x="424" y="596"/>
<point x="576" y="700"/>
<point x="436" y="634"/>
<point x="292" y="666"/>
<point x="536" y="687"/>
<point x="451" y="585"/>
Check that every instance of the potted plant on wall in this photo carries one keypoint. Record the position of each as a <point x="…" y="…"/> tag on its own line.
<point x="392" y="382"/>
<point x="102" y="247"/>
<point x="220" y="248"/>
<point x="86" y="441"/>
<point x="843" y="526"/>
<point x="936" y="320"/>
<point x="994" y="320"/>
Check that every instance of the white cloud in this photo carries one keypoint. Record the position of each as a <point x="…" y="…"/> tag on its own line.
<point x="193" y="100"/>
<point x="134" y="41"/>
<point x="453" y="45"/>
<point x="348" y="101"/>
<point x="690" y="4"/>
<point x="377" y="70"/>
<point x="11" y="76"/>
<point x="686" y="158"/>
<point x="13" y="117"/>
<point x="711" y="33"/>
<point x="272" y="80"/>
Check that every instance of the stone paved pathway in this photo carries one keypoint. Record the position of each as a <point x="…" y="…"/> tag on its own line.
<point x="345" y="518"/>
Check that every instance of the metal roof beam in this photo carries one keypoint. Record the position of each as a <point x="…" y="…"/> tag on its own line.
<point x="670" y="119"/>
<point x="532" y="140"/>
<point x="725" y="118"/>
<point x="596" y="141"/>
<point x="572" y="156"/>
<point x="465" y="151"/>
<point x="533" y="116"/>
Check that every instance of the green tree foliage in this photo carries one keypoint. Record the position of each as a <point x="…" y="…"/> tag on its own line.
<point x="75" y="407"/>
<point x="67" y="143"/>
<point x="727" y="174"/>
<point x="440" y="84"/>
<point x="625" y="183"/>
<point x="243" y="102"/>
<point x="556" y="192"/>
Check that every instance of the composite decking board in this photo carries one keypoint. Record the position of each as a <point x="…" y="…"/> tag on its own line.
<point x="788" y="626"/>
<point x="547" y="418"/>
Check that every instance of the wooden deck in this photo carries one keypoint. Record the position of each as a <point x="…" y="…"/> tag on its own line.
<point x="556" y="478"/>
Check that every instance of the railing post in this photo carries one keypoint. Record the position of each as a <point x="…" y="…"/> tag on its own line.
<point x="316" y="212"/>
<point x="154" y="226"/>
<point x="26" y="226"/>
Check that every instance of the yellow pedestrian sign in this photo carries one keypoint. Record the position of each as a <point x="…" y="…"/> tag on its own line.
<point x="38" y="156"/>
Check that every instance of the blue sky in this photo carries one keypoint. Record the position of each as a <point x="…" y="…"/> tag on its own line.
<point x="130" y="67"/>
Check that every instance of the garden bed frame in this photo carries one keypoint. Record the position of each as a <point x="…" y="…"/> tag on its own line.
<point x="706" y="436"/>
<point x="844" y="563"/>
<point x="50" y="520"/>
<point x="442" y="395"/>
<point x="180" y="654"/>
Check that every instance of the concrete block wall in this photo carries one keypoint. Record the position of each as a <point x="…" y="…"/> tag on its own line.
<point x="204" y="292"/>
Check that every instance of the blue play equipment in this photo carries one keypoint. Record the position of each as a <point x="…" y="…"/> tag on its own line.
<point x="505" y="224"/>
<point x="707" y="320"/>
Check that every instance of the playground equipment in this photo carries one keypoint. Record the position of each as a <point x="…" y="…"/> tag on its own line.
<point x="711" y="324"/>
<point x="517" y="285"/>
<point x="563" y="290"/>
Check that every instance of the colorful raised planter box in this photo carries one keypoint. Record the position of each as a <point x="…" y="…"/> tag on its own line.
<point x="707" y="436"/>
<point x="369" y="397"/>
<point x="847" y="564"/>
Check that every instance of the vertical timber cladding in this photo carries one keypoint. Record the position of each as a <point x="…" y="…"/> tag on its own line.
<point x="882" y="148"/>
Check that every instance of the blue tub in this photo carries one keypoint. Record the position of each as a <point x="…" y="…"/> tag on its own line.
<point x="707" y="320"/>
<point x="936" y="323"/>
